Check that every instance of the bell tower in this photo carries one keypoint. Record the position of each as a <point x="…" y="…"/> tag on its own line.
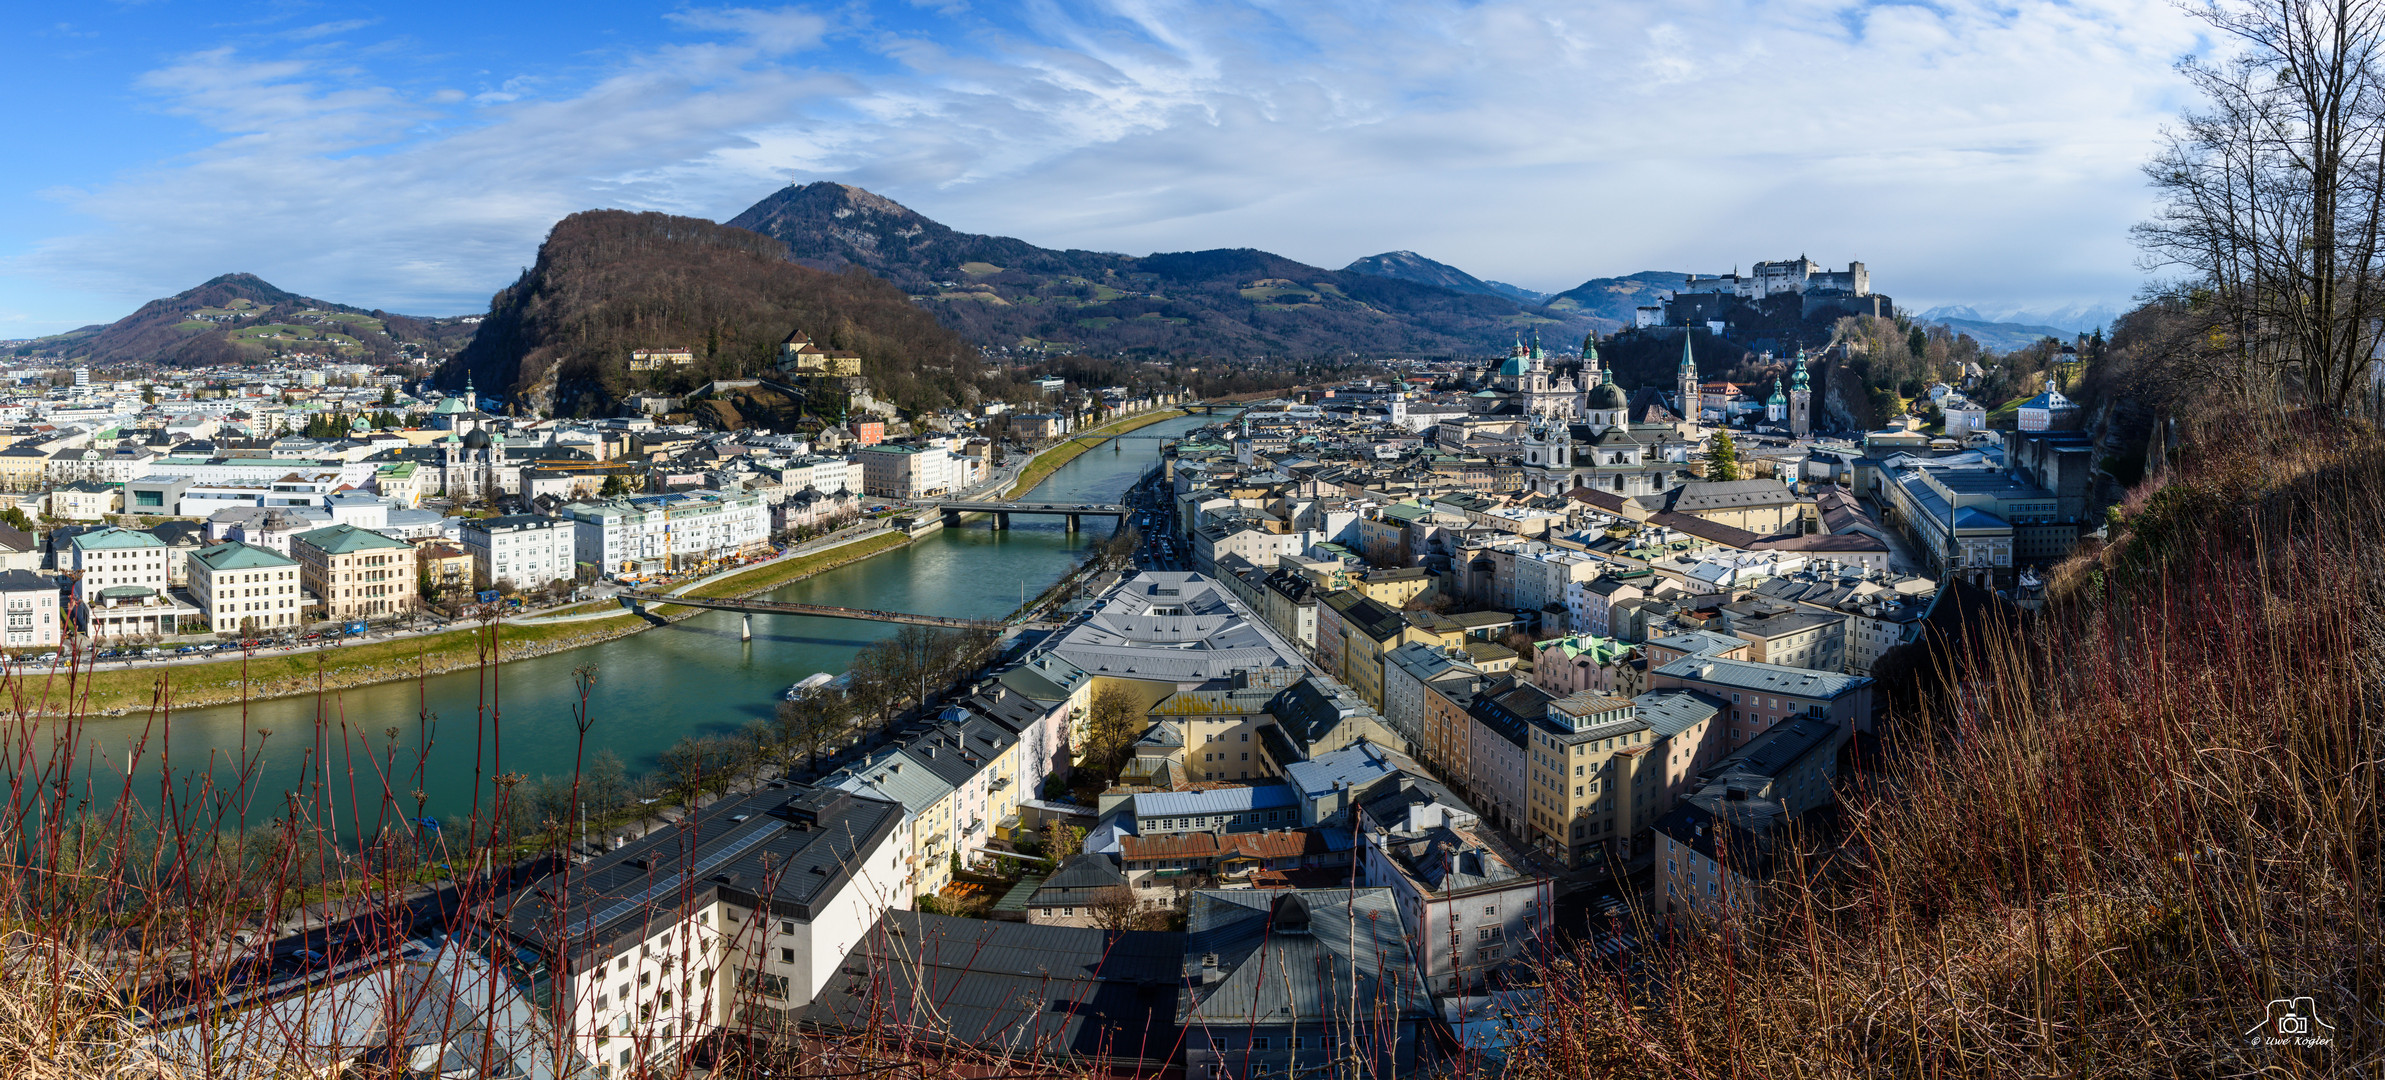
<point x="1689" y="381"/>
<point x="1801" y="399"/>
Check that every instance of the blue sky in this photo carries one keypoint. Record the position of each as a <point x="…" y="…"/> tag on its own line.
<point x="411" y="156"/>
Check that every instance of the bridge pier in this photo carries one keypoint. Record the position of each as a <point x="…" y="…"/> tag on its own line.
<point x="1001" y="520"/>
<point x="1072" y="522"/>
<point x="745" y="632"/>
<point x="952" y="519"/>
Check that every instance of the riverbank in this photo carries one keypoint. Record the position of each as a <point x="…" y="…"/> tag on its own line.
<point x="279" y="675"/>
<point x="1048" y="462"/>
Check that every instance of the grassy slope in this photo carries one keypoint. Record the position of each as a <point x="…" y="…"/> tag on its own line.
<point x="1049" y="462"/>
<point x="2144" y="814"/>
<point x="281" y="674"/>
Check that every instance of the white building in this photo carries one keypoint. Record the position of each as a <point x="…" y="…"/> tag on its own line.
<point x="1469" y="905"/>
<point x="621" y="537"/>
<point x="244" y="587"/>
<point x="707" y="525"/>
<point x="649" y="955"/>
<point x="31" y="601"/>
<point x="528" y="550"/>
<point x="120" y="582"/>
<point x="905" y="472"/>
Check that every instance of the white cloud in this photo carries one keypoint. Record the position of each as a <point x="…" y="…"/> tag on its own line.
<point x="1965" y="151"/>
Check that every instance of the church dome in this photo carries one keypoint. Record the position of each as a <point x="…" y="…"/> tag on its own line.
<point x="476" y="439"/>
<point x="449" y="406"/>
<point x="1607" y="396"/>
<point x="1513" y="367"/>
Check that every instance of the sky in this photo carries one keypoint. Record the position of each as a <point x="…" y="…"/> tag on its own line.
<point x="411" y="156"/>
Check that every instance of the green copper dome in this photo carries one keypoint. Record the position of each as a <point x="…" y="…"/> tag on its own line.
<point x="1607" y="396"/>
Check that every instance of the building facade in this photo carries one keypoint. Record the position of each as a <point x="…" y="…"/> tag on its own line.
<point x="355" y="573"/>
<point x="242" y="587"/>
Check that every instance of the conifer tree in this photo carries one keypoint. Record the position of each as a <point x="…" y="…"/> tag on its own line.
<point x="1722" y="458"/>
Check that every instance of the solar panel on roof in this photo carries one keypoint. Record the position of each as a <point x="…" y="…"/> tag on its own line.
<point x="675" y="878"/>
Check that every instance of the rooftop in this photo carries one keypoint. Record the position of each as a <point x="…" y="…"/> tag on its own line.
<point x="1763" y="678"/>
<point x="344" y="539"/>
<point x="1058" y="990"/>
<point x="791" y="848"/>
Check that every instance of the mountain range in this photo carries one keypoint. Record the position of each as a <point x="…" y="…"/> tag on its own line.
<point x="1409" y="266"/>
<point x="2064" y="321"/>
<point x="234" y="317"/>
<point x="1007" y="294"/>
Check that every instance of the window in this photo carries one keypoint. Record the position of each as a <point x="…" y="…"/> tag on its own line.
<point x="1491" y="911"/>
<point x="1258" y="1042"/>
<point x="1490" y="952"/>
<point x="786" y="956"/>
<point x="1490" y="933"/>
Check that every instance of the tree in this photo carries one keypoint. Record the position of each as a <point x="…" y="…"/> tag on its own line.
<point x="1061" y="840"/>
<point x="2273" y="198"/>
<point x="1111" y="729"/>
<point x="808" y="723"/>
<point x="1115" y="908"/>
<point x="614" y="486"/>
<point x="1722" y="458"/>
<point x="389" y="397"/>
<point x="14" y="517"/>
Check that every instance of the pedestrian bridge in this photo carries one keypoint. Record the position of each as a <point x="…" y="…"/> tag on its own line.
<point x="639" y="601"/>
<point x="952" y="509"/>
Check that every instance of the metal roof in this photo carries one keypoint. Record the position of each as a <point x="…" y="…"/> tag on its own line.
<point x="1763" y="678"/>
<point x="1293" y="955"/>
<point x="1272" y="795"/>
<point x="1025" y="989"/>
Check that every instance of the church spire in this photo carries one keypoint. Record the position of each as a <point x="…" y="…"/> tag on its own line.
<point x="1689" y="381"/>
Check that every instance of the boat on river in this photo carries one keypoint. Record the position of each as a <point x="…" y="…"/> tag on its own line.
<point x="810" y="683"/>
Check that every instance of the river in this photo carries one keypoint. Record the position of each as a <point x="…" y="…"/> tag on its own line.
<point x="651" y="688"/>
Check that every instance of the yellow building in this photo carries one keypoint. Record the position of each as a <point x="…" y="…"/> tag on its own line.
<point x="1589" y="777"/>
<point x="1394" y="588"/>
<point x="1220" y="728"/>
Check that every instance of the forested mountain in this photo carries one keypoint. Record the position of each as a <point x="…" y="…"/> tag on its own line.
<point x="609" y="281"/>
<point x="237" y="317"/>
<point x="1409" y="266"/>
<point x="1008" y="294"/>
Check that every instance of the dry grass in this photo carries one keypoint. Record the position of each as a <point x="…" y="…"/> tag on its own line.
<point x="1049" y="462"/>
<point x="2101" y="851"/>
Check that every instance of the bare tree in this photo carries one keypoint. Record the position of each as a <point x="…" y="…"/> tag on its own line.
<point x="1115" y="908"/>
<point x="2273" y="197"/>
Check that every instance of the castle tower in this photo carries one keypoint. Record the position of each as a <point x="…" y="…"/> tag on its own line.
<point x="1801" y="399"/>
<point x="1689" y="382"/>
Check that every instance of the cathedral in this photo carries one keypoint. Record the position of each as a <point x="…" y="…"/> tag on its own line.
<point x="1593" y="440"/>
<point x="1535" y="390"/>
<point x="469" y="460"/>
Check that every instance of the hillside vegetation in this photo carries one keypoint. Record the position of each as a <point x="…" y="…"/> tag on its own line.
<point x="1008" y="294"/>
<point x="609" y="281"/>
<point x="2104" y="839"/>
